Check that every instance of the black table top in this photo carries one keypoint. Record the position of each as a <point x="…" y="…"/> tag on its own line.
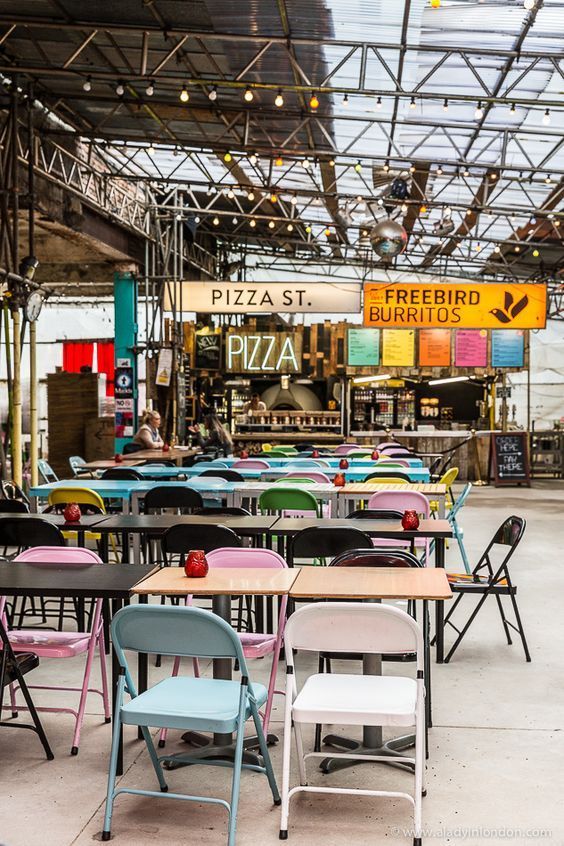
<point x="374" y="528"/>
<point x="105" y="581"/>
<point x="86" y="521"/>
<point x="251" y="525"/>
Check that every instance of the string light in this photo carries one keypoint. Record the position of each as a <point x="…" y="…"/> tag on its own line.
<point x="213" y="94"/>
<point x="346" y="100"/>
<point x="150" y="89"/>
<point x="150" y="150"/>
<point x="466" y="172"/>
<point x="234" y="221"/>
<point x="435" y="4"/>
<point x="248" y="96"/>
<point x="386" y="167"/>
<point x="548" y="179"/>
<point x="197" y="219"/>
<point x="439" y="171"/>
<point x="478" y="247"/>
<point x="546" y="118"/>
<point x="253" y="158"/>
<point x="308" y="229"/>
<point x="327" y="232"/>
<point x="313" y="101"/>
<point x="253" y="223"/>
<point x="479" y="113"/>
<point x="279" y="161"/>
<point x="423" y="209"/>
<point x="359" y="198"/>
<point x="331" y="162"/>
<point x="517" y="249"/>
<point x="557" y="223"/>
<point x="445" y="105"/>
<point x="404" y="208"/>
<point x="529" y="4"/>
<point x="271" y="224"/>
<point x="379" y="103"/>
<point x="87" y="84"/>
<point x="290" y="227"/>
<point x="412" y="169"/>
<point x="294" y="200"/>
<point x="227" y="157"/>
<point x="120" y="89"/>
<point x="536" y="253"/>
<point x="279" y="99"/>
<point x="251" y="195"/>
<point x="306" y="164"/>
<point x="513" y="109"/>
<point x="273" y="198"/>
<point x="493" y="176"/>
<point x="231" y="193"/>
<point x="215" y="221"/>
<point x="497" y="248"/>
<point x="184" y="95"/>
<point x="412" y="103"/>
<point x="358" y="167"/>
<point x="448" y="211"/>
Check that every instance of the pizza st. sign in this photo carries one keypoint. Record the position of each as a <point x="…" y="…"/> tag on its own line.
<point x="458" y="306"/>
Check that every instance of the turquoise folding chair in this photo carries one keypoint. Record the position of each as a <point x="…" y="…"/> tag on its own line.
<point x="456" y="529"/>
<point x="185" y="702"/>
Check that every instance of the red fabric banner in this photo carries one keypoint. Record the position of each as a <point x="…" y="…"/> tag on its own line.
<point x="77" y="354"/>
<point x="106" y="364"/>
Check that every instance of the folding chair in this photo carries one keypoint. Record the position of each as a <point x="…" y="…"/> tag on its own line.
<point x="489" y="579"/>
<point x="183" y="702"/>
<point x="367" y="628"/>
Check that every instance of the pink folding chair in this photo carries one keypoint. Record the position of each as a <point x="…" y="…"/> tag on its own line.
<point x="344" y="449"/>
<point x="250" y="464"/>
<point x="402" y="501"/>
<point x="50" y="644"/>
<point x="386" y="444"/>
<point x="312" y="475"/>
<point x="255" y="644"/>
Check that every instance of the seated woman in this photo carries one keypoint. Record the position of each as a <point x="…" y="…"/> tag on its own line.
<point x="147" y="436"/>
<point x="218" y="436"/>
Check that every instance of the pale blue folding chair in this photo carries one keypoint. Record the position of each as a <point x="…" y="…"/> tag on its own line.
<point x="456" y="529"/>
<point x="185" y="702"/>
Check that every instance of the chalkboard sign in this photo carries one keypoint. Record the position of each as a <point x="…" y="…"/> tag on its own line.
<point x="208" y="350"/>
<point x="510" y="459"/>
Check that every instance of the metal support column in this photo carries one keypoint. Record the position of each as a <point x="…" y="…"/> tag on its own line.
<point x="125" y="334"/>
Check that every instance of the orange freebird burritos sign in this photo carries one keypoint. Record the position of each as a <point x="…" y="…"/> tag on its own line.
<point x="458" y="306"/>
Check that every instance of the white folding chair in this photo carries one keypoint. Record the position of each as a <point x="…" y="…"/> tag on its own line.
<point x="353" y="699"/>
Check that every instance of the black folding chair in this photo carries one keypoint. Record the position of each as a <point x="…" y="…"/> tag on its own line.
<point x="128" y="473"/>
<point x="13" y="668"/>
<point x="490" y="579"/>
<point x="219" y="473"/>
<point x="180" y="539"/>
<point x="228" y="510"/>
<point x="326" y="542"/>
<point x="129" y="449"/>
<point x="13" y="506"/>
<point x="391" y="474"/>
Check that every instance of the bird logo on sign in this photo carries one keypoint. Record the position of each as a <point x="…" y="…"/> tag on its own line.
<point x="511" y="309"/>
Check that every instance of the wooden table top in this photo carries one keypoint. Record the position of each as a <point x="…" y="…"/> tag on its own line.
<point x="378" y="528"/>
<point x="427" y="488"/>
<point x="108" y="463"/>
<point x="371" y="583"/>
<point x="174" y="453"/>
<point x="229" y="581"/>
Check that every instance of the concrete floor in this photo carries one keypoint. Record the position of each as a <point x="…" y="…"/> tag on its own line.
<point x="494" y="774"/>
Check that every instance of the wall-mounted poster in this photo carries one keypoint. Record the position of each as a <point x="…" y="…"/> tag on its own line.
<point x="363" y="347"/>
<point x="208" y="349"/>
<point x="434" y="347"/>
<point x="508" y="348"/>
<point x="471" y="348"/>
<point x="398" y="347"/>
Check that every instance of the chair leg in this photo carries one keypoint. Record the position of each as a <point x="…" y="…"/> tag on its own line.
<point x="236" y="783"/>
<point x="83" y="695"/>
<point x="318" y="727"/>
<point x="13" y="701"/>
<point x="113" y="761"/>
<point x="300" y="752"/>
<point x="104" y="675"/>
<point x="154" y="758"/>
<point x="419" y="772"/>
<point x="463" y="631"/>
<point x="503" y="619"/>
<point x="520" y="628"/>
<point x="261" y="735"/>
<point x="34" y="716"/>
<point x="286" y="758"/>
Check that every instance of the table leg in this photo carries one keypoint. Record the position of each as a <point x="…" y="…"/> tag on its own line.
<point x="116" y="605"/>
<point x="442" y="506"/>
<point x="439" y="605"/>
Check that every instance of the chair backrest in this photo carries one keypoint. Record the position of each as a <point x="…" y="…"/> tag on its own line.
<point x="359" y="453"/>
<point x="304" y="447"/>
<point x="376" y="558"/>
<point x="388" y="476"/>
<point x="128" y="473"/>
<point x="180" y="539"/>
<point x="129" y="449"/>
<point x="327" y="541"/>
<point x="76" y="462"/>
<point x="283" y="498"/>
<point x="403" y="453"/>
<point x="284" y="450"/>
<point x="400" y="501"/>
<point x="174" y="630"/>
<point x="392" y="462"/>
<point x="363" y="627"/>
<point x="312" y="463"/>
<point x="63" y="556"/>
<point x="83" y="496"/>
<point x="33" y="532"/>
<point x="228" y="475"/>
<point x="296" y="480"/>
<point x="159" y="462"/>
<point x="46" y="471"/>
<point x="250" y="557"/>
<point x="374" y="514"/>
<point x="185" y="499"/>
<point x="203" y="457"/>
<point x="11" y="490"/>
<point x="231" y="510"/>
<point x="250" y="464"/>
<point x="460" y="500"/>
<point x="386" y="444"/>
<point x="509" y="535"/>
<point x="450" y="477"/>
<point x="310" y="475"/>
<point x="344" y="449"/>
<point x="13" y="506"/>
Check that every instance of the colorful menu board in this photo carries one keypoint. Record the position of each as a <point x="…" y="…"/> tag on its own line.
<point x="471" y="348"/>
<point x="434" y="347"/>
<point x="398" y="348"/>
<point x="363" y="347"/>
<point x="508" y="348"/>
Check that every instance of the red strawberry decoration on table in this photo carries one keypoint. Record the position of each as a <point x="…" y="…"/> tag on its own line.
<point x="339" y="480"/>
<point x="343" y="464"/>
<point x="315" y="453"/>
<point x="244" y="454"/>
<point x="375" y="455"/>
<point x="72" y="512"/>
<point x="118" y="457"/>
<point x="196" y="565"/>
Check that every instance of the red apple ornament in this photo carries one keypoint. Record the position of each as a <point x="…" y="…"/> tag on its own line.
<point x="196" y="565"/>
<point x="410" y="520"/>
<point x="343" y="464"/>
<point x="72" y="513"/>
<point x="166" y="447"/>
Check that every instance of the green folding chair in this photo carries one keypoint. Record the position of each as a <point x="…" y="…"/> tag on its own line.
<point x="184" y="702"/>
<point x="277" y="499"/>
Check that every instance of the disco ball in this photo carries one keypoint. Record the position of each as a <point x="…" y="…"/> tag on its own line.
<point x="388" y="239"/>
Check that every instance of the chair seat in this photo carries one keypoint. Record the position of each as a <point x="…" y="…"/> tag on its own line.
<point x="356" y="700"/>
<point x="26" y="661"/>
<point x="183" y="702"/>
<point x="256" y="645"/>
<point x="478" y="584"/>
<point x="47" y="644"/>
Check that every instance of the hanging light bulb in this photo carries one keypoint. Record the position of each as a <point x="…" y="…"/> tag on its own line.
<point x="497" y="248"/>
<point x="227" y="156"/>
<point x="273" y="198"/>
<point x="294" y="200"/>
<point x="150" y="150"/>
<point x="404" y="208"/>
<point x="529" y="4"/>
<point x="557" y="223"/>
<point x="423" y="209"/>
<point x="386" y="167"/>
<point x="176" y="152"/>
<point x="359" y="198"/>
<point x="479" y="113"/>
<point x="412" y="168"/>
<point x="327" y="232"/>
<point x="234" y="221"/>
<point x="378" y="102"/>
<point x="445" y="105"/>
<point x="346" y="100"/>
<point x="87" y="84"/>
<point x="253" y="158"/>
<point x="248" y="95"/>
<point x="493" y="176"/>
<point x="231" y="193"/>
<point x="271" y="224"/>
<point x="317" y="201"/>
<point x="279" y="99"/>
<point x="478" y="247"/>
<point x="331" y="162"/>
<point x="252" y="223"/>
<point x="197" y="219"/>
<point x="536" y="253"/>
<point x="306" y="164"/>
<point x="546" y="118"/>
<point x="279" y="161"/>
<point x="313" y="101"/>
<point x="513" y="109"/>
<point x="517" y="249"/>
<point x="308" y="229"/>
<point x="412" y="103"/>
<point x="184" y="95"/>
<point x="120" y="89"/>
<point x="290" y="227"/>
<point x="213" y="94"/>
<point x="435" y="4"/>
<point x="358" y="167"/>
<point x="250" y="196"/>
<point x="548" y="179"/>
<point x="466" y="172"/>
<point x="150" y="89"/>
<point x="216" y="221"/>
<point x="439" y="171"/>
